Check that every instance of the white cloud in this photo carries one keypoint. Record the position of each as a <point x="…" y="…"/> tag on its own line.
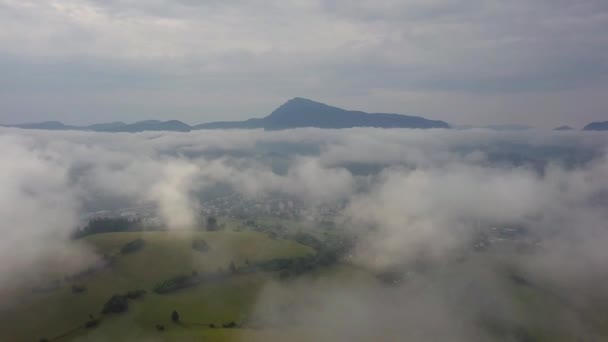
<point x="177" y="206"/>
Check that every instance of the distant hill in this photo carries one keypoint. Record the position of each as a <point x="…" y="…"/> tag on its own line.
<point x="597" y="126"/>
<point x="295" y="113"/>
<point x="509" y="127"/>
<point x="111" y="126"/>
<point x="247" y="124"/>
<point x="141" y="126"/>
<point x="563" y="128"/>
<point x="299" y="113"/>
<point x="151" y="125"/>
<point x="49" y="125"/>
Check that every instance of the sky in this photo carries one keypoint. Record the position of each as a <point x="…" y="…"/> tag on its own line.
<point x="541" y="62"/>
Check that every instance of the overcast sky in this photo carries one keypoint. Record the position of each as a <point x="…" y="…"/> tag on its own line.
<point x="537" y="62"/>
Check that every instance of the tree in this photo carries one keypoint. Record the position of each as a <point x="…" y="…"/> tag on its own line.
<point x="232" y="267"/>
<point x="91" y="324"/>
<point x="78" y="288"/>
<point x="132" y="246"/>
<point x="116" y="304"/>
<point x="176" y="283"/>
<point x="229" y="325"/>
<point x="135" y="294"/>
<point x="175" y="316"/>
<point x="108" y="224"/>
<point x="212" y="223"/>
<point x="200" y="245"/>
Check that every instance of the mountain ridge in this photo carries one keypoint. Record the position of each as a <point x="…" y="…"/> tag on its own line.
<point x="597" y="126"/>
<point x="117" y="126"/>
<point x="298" y="112"/>
<point x="563" y="128"/>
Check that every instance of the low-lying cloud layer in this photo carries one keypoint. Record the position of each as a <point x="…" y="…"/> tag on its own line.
<point x="410" y="197"/>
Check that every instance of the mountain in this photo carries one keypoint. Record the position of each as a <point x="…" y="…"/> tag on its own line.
<point x="152" y="125"/>
<point x="110" y="126"/>
<point x="48" y="125"/>
<point x="141" y="126"/>
<point x="295" y="113"/>
<point x="563" y="128"/>
<point x="247" y="124"/>
<point x="597" y="126"/>
<point x="299" y="113"/>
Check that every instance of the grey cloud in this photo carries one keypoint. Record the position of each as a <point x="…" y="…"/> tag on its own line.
<point x="39" y="209"/>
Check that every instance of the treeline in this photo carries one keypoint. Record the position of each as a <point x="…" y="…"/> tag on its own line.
<point x="99" y="225"/>
<point x="285" y="267"/>
<point x="293" y="267"/>
<point x="133" y="246"/>
<point x="327" y="254"/>
<point x="56" y="284"/>
<point x="200" y="245"/>
<point x="329" y="244"/>
<point x="188" y="280"/>
<point x="308" y="240"/>
<point x="120" y="302"/>
<point x="104" y="262"/>
<point x="177" y="283"/>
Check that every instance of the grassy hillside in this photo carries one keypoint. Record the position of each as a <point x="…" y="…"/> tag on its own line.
<point x="164" y="255"/>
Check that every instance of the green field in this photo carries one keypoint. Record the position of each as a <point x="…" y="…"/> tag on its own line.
<point x="165" y="255"/>
<point x="59" y="314"/>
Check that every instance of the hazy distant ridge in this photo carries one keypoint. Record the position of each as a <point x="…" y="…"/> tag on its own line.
<point x="597" y="126"/>
<point x="295" y="113"/>
<point x="299" y="112"/>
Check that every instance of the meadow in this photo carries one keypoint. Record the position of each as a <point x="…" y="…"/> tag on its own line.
<point x="56" y="314"/>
